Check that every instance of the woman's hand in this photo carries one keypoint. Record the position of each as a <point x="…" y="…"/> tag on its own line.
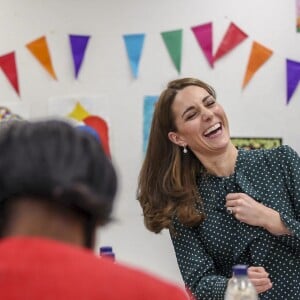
<point x="260" y="279"/>
<point x="246" y="209"/>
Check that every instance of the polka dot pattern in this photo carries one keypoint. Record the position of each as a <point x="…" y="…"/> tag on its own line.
<point x="206" y="253"/>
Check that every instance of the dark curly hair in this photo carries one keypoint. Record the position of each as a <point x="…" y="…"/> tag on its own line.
<point x="55" y="162"/>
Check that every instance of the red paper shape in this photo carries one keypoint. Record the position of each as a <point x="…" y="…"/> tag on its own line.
<point x="9" y="67"/>
<point x="203" y="34"/>
<point x="101" y="127"/>
<point x="231" y="39"/>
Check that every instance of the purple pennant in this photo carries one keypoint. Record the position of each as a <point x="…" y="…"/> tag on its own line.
<point x="78" y="46"/>
<point x="293" y="77"/>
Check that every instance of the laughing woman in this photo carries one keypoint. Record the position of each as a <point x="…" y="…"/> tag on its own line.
<point x="223" y="206"/>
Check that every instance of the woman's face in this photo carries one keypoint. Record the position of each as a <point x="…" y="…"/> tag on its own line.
<point x="201" y="122"/>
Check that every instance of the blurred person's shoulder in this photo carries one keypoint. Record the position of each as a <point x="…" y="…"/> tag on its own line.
<point x="40" y="262"/>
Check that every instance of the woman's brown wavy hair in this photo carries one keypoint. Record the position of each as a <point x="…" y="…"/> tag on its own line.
<point x="167" y="180"/>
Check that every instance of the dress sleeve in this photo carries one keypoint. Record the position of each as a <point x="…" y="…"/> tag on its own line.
<point x="290" y="164"/>
<point x="196" y="266"/>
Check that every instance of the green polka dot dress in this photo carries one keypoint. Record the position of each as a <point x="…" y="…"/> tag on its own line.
<point x="206" y="253"/>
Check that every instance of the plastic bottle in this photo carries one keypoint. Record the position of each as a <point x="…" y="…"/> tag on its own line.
<point x="107" y="252"/>
<point x="240" y="287"/>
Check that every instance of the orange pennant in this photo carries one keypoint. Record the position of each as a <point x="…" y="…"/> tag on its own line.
<point x="259" y="55"/>
<point x="39" y="49"/>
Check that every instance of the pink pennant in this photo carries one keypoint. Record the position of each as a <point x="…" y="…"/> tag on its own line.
<point x="8" y="65"/>
<point x="203" y="34"/>
<point x="231" y="39"/>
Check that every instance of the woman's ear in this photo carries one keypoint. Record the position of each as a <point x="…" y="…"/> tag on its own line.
<point x="176" y="139"/>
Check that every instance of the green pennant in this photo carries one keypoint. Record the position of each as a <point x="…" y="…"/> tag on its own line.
<point x="173" y="42"/>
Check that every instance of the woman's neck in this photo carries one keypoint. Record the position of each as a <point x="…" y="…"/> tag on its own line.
<point x="31" y="217"/>
<point x="221" y="164"/>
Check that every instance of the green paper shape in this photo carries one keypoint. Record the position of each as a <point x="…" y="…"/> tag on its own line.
<point x="173" y="42"/>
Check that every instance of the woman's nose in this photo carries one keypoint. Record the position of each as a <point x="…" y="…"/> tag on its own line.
<point x="206" y="113"/>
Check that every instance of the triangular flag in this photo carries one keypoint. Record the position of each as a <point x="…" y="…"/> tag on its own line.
<point x="79" y="113"/>
<point x="101" y="127"/>
<point x="9" y="67"/>
<point x="259" y="55"/>
<point x="231" y="39"/>
<point x="293" y="77"/>
<point x="39" y="49"/>
<point x="173" y="42"/>
<point x="203" y="34"/>
<point x="134" y="46"/>
<point x="78" y="47"/>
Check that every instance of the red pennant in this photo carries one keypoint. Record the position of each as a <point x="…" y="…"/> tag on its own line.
<point x="231" y="39"/>
<point x="9" y="67"/>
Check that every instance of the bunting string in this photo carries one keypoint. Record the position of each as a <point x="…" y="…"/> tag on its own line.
<point x="134" y="43"/>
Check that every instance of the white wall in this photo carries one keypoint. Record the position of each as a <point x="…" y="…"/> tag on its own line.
<point x="259" y="110"/>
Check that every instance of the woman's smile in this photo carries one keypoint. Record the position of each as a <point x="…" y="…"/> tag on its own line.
<point x="213" y="131"/>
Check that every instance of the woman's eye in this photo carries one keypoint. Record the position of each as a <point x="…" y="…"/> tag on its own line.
<point x="192" y="115"/>
<point x="210" y="102"/>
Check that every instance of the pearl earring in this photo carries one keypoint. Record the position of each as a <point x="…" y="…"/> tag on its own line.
<point x="185" y="151"/>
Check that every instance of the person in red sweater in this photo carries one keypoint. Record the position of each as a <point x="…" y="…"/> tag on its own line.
<point x="56" y="187"/>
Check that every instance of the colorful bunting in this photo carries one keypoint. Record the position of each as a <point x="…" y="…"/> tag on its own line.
<point x="9" y="67"/>
<point x="39" y="49"/>
<point x="134" y="46"/>
<point x="231" y="39"/>
<point x="259" y="55"/>
<point x="173" y="42"/>
<point x="203" y="34"/>
<point x="293" y="77"/>
<point x="149" y="105"/>
<point x="78" y="46"/>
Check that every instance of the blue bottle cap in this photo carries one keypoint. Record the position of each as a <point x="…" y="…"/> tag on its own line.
<point x="240" y="270"/>
<point x="105" y="249"/>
